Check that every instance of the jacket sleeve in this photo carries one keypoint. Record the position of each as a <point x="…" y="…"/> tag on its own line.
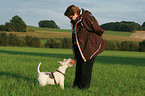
<point x="91" y="24"/>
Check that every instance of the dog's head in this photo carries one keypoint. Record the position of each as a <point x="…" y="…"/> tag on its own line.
<point x="67" y="62"/>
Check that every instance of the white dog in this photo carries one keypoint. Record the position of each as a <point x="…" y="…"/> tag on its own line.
<point x="56" y="77"/>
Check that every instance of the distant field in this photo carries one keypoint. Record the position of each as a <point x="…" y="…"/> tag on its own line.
<point x="120" y="38"/>
<point x="115" y="73"/>
<point x="138" y="34"/>
<point x="118" y="33"/>
<point x="45" y="33"/>
<point x="69" y="30"/>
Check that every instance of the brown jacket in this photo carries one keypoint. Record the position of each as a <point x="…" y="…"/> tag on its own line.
<point x="88" y="36"/>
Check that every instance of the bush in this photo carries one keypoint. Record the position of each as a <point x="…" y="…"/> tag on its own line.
<point x="119" y="45"/>
<point x="13" y="39"/>
<point x="21" y="42"/>
<point x="35" y="42"/>
<point x="9" y="27"/>
<point x="111" y="45"/>
<point x="3" y="39"/>
<point x="142" y="46"/>
<point x="53" y="43"/>
<point x="59" y="43"/>
<point x="2" y="28"/>
<point x="143" y="25"/>
<point x="122" y="26"/>
<point x="48" y="43"/>
<point x="125" y="46"/>
<point x="32" y="41"/>
<point x="66" y="43"/>
<point x="134" y="46"/>
<point x="47" y="24"/>
<point x="28" y="40"/>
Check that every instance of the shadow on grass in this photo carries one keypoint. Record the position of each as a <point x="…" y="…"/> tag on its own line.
<point x="18" y="77"/>
<point x="102" y="59"/>
<point x="38" y="54"/>
<point x="121" y="60"/>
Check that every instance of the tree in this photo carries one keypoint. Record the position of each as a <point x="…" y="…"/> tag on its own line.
<point x="53" y="43"/>
<point x="47" y="24"/>
<point x="18" y="24"/>
<point x="143" y="25"/>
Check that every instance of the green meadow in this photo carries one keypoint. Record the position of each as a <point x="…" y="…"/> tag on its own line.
<point x="115" y="73"/>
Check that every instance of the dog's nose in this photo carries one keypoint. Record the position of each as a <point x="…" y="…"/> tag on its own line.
<point x="72" y="61"/>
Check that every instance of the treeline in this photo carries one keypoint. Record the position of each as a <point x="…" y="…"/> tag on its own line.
<point x="123" y="26"/>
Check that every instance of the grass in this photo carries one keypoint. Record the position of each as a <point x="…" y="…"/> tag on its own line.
<point x="49" y="29"/>
<point x="119" y="33"/>
<point x="115" y="73"/>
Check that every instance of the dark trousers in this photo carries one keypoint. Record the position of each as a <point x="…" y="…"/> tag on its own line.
<point x="83" y="71"/>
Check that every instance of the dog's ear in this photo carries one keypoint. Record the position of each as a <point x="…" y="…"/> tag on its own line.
<point x="59" y="62"/>
<point x="64" y="59"/>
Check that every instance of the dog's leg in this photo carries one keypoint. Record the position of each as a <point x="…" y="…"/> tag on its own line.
<point x="62" y="85"/>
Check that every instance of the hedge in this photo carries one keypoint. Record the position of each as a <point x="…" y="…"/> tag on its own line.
<point x="123" y="46"/>
<point x="111" y="45"/>
<point x="3" y="39"/>
<point x="14" y="40"/>
<point x="142" y="46"/>
<point x="30" y="41"/>
<point x="53" y="43"/>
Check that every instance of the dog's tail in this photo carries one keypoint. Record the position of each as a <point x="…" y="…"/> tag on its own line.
<point x="38" y="67"/>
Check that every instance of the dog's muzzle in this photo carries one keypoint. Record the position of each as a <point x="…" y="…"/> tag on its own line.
<point x="72" y="61"/>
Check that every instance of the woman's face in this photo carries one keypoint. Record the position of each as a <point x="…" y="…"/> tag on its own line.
<point x="73" y="17"/>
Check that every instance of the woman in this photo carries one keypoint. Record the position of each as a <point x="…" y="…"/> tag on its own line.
<point x="87" y="43"/>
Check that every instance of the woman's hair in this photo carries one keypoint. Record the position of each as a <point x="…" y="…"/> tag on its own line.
<point x="71" y="10"/>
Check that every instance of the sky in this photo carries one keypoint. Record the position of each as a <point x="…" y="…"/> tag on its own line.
<point x="33" y="11"/>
